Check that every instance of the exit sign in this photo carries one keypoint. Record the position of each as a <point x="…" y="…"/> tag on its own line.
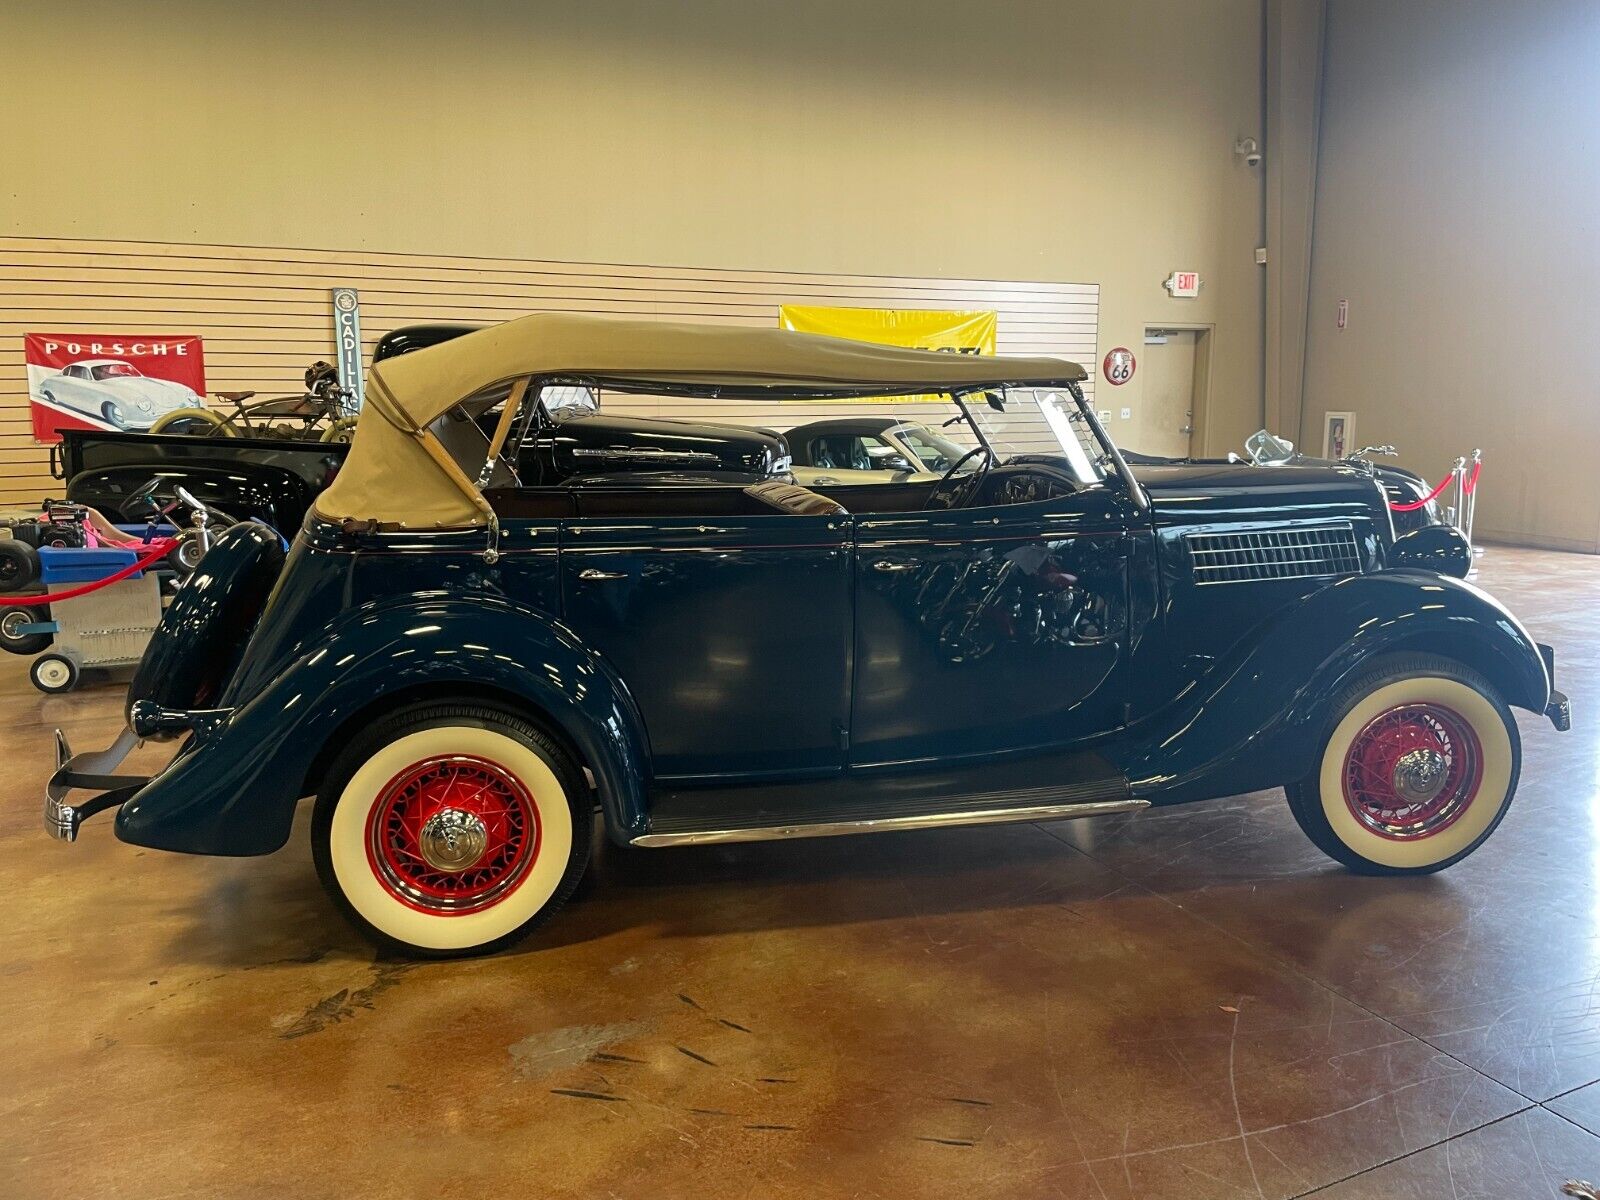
<point x="1184" y="284"/>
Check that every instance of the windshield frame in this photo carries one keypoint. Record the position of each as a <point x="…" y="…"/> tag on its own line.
<point x="1136" y="490"/>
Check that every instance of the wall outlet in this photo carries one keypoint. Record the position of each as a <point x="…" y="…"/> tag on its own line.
<point x="1104" y="414"/>
<point x="1127" y="414"/>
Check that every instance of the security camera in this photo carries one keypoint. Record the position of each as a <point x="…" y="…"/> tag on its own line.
<point x="1247" y="149"/>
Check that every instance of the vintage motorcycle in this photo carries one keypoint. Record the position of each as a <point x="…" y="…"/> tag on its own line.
<point x="325" y="412"/>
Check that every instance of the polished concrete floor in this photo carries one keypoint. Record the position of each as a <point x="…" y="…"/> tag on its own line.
<point x="1186" y="1004"/>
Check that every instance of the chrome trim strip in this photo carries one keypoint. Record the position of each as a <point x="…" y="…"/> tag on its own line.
<point x="645" y="454"/>
<point x="994" y="816"/>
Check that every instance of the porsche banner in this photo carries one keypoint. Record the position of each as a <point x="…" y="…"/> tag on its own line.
<point x="109" y="380"/>
<point x="969" y="332"/>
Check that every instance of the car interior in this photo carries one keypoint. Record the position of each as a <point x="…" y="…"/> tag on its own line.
<point x="1015" y="483"/>
<point x="462" y="433"/>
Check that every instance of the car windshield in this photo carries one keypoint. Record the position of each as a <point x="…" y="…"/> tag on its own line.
<point x="1044" y="420"/>
<point x="113" y="370"/>
<point x="934" y="451"/>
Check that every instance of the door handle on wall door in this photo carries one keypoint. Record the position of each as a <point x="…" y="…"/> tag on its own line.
<point x="591" y="573"/>
<point x="884" y="564"/>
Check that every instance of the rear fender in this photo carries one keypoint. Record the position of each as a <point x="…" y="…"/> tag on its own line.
<point x="1254" y="720"/>
<point x="233" y="788"/>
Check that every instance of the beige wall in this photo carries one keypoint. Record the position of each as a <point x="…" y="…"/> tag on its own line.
<point x="1458" y="210"/>
<point x="1061" y="140"/>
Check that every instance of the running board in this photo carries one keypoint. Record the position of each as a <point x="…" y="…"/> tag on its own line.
<point x="990" y="816"/>
<point x="1085" y="785"/>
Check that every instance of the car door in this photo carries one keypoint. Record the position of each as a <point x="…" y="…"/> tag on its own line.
<point x="731" y="633"/>
<point x="980" y="631"/>
<point x="72" y="389"/>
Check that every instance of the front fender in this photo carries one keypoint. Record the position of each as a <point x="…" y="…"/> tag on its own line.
<point x="233" y="788"/>
<point x="1254" y="720"/>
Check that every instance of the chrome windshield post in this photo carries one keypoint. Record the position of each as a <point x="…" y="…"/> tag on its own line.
<point x="1136" y="491"/>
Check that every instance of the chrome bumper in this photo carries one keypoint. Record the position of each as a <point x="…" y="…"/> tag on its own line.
<point x="85" y="771"/>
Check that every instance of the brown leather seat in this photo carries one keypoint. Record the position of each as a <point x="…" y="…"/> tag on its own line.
<point x="234" y="396"/>
<point x="789" y="497"/>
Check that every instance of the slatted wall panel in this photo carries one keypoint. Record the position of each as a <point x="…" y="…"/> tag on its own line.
<point x="265" y="314"/>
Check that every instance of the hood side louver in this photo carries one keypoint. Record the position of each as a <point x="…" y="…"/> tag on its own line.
<point x="1296" y="553"/>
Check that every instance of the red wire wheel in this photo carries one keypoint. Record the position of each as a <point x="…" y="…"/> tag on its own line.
<point x="453" y="835"/>
<point x="1412" y="771"/>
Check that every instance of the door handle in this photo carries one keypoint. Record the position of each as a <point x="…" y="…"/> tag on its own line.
<point x="592" y="573"/>
<point x="884" y="564"/>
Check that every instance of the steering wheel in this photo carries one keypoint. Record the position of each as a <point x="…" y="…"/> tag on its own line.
<point x="948" y="495"/>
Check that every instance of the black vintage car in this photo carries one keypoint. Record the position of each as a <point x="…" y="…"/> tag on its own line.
<point x="461" y="666"/>
<point x="562" y="438"/>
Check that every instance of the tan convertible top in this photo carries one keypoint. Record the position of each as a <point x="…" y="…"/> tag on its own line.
<point x="398" y="473"/>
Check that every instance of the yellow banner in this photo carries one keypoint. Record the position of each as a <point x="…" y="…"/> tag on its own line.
<point x="920" y="329"/>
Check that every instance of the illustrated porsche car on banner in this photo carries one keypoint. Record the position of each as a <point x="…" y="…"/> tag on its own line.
<point x="110" y="381"/>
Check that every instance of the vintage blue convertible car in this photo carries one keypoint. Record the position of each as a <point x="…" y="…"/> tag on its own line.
<point x="461" y="668"/>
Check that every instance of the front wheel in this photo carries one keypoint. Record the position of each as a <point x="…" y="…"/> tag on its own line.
<point x="1418" y="765"/>
<point x="451" y="829"/>
<point x="53" y="674"/>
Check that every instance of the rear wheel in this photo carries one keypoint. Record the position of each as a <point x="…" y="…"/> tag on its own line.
<point x="199" y="422"/>
<point x="1418" y="765"/>
<point x="451" y="829"/>
<point x="12" y="623"/>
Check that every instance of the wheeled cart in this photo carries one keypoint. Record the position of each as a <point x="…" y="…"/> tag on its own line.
<point x="108" y="626"/>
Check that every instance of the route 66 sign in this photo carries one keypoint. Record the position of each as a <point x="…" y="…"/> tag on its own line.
<point x="1119" y="366"/>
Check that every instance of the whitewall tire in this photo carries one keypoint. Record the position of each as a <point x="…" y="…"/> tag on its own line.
<point x="1418" y="764"/>
<point x="451" y="829"/>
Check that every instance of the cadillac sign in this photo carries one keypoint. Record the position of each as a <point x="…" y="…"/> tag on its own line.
<point x="347" y="333"/>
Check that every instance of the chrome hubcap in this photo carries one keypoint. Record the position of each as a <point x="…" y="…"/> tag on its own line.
<point x="453" y="839"/>
<point x="1419" y="775"/>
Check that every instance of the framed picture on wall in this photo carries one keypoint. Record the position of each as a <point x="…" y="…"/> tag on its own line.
<point x="1338" y="434"/>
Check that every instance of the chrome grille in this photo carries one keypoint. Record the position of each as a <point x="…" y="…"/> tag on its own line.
<point x="1293" y="553"/>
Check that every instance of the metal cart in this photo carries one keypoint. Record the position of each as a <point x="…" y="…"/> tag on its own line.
<point x="108" y="627"/>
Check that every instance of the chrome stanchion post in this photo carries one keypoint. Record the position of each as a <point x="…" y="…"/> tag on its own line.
<point x="1470" y="497"/>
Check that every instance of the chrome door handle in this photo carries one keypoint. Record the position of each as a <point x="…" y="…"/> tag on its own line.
<point x="592" y="573"/>
<point x="884" y="564"/>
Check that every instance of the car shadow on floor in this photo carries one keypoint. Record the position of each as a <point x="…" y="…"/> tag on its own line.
<point x="273" y="910"/>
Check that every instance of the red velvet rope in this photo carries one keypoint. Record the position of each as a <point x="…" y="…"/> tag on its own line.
<point x="1472" y="480"/>
<point x="1433" y="495"/>
<point x="159" y="549"/>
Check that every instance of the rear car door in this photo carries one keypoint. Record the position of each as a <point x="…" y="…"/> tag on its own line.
<point x="732" y="633"/>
